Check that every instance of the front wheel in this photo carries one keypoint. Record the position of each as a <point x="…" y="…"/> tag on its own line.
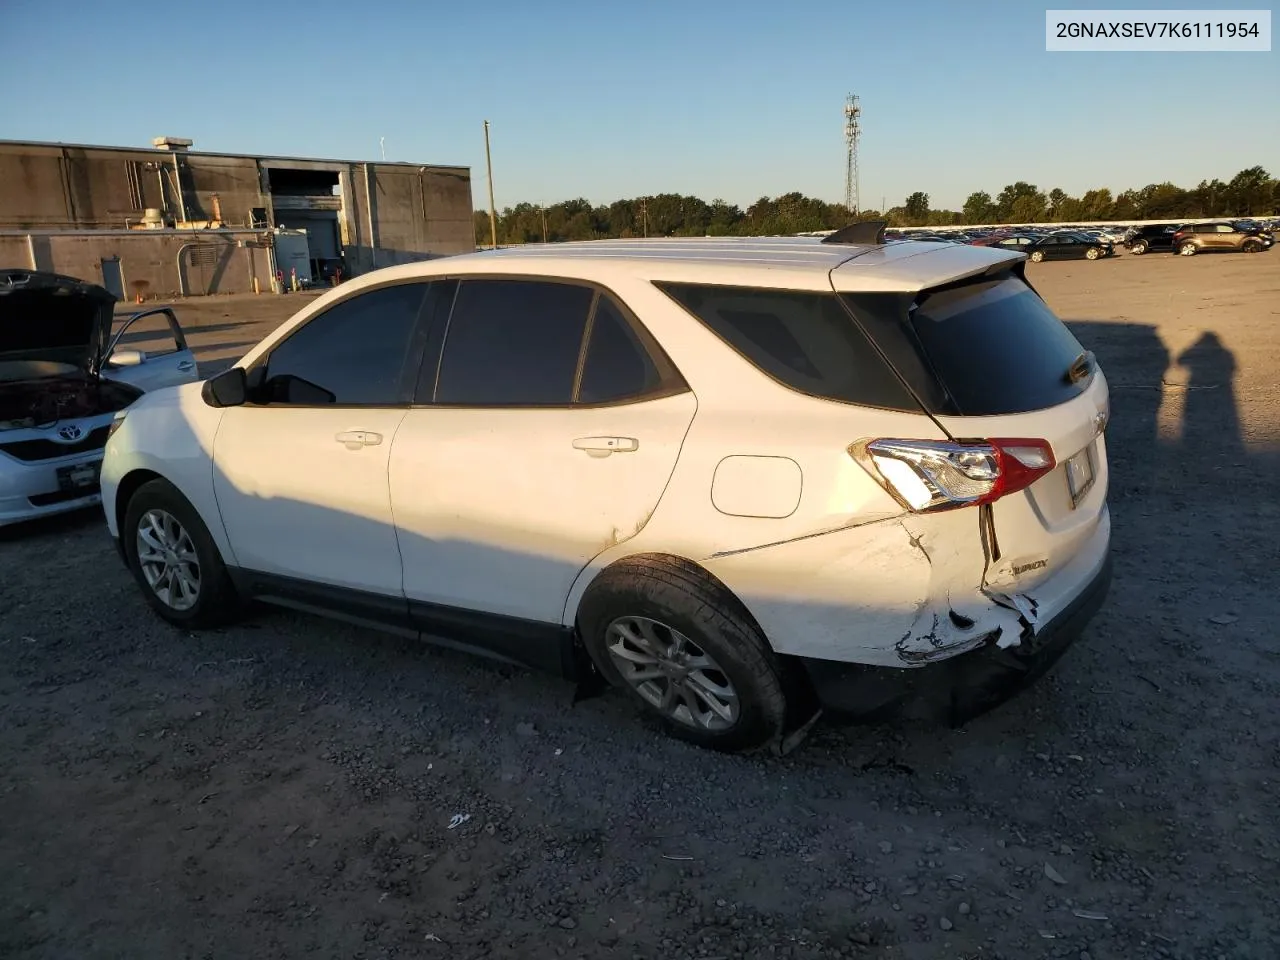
<point x="686" y="651"/>
<point x="1093" y="253"/>
<point x="1188" y="249"/>
<point x="1037" y="256"/>
<point x="1251" y="246"/>
<point x="174" y="559"/>
<point x="1139" y="248"/>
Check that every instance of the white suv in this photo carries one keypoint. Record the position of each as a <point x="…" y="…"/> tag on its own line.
<point x="735" y="477"/>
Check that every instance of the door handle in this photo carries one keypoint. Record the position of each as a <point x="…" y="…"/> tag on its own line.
<point x="355" y="439"/>
<point x="603" y="446"/>
<point x="185" y="365"/>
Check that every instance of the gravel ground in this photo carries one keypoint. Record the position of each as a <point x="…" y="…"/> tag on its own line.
<point x="292" y="786"/>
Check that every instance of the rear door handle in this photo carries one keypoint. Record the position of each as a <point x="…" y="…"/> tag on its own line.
<point x="185" y="365"/>
<point x="355" y="439"/>
<point x="603" y="446"/>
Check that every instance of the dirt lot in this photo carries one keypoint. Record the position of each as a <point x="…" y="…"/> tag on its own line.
<point x="287" y="787"/>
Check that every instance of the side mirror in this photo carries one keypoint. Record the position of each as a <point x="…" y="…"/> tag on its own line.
<point x="227" y="389"/>
<point x="126" y="358"/>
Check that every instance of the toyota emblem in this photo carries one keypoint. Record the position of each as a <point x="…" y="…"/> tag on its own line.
<point x="70" y="433"/>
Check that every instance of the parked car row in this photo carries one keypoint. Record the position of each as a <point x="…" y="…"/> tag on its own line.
<point x="1189" y="239"/>
<point x="1092" y="243"/>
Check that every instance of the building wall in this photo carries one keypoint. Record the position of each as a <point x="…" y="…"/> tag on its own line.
<point x="211" y="260"/>
<point x="417" y="211"/>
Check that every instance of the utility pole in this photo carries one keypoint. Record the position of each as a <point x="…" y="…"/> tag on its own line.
<point x="493" y="215"/>
<point x="543" y="209"/>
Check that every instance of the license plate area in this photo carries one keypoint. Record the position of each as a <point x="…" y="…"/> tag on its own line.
<point x="80" y="477"/>
<point x="1080" y="475"/>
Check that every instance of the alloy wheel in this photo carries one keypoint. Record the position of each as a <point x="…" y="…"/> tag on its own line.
<point x="168" y="559"/>
<point x="672" y="673"/>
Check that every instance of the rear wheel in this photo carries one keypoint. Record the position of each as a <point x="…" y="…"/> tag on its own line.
<point x="1139" y="248"/>
<point x="1188" y="249"/>
<point x="1251" y="246"/>
<point x="686" y="650"/>
<point x="1037" y="256"/>
<point x="174" y="559"/>
<point x="1093" y="253"/>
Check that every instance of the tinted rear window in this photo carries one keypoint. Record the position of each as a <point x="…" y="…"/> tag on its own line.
<point x="996" y="347"/>
<point x="805" y="341"/>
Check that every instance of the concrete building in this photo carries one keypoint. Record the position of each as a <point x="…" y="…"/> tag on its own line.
<point x="171" y="221"/>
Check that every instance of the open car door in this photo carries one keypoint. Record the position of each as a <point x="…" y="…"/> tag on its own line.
<point x="167" y="362"/>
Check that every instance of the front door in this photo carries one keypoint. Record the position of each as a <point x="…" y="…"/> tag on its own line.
<point x="300" y="473"/>
<point x="534" y="455"/>
<point x="150" y="351"/>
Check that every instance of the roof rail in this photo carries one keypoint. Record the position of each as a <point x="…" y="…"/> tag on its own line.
<point x="866" y="232"/>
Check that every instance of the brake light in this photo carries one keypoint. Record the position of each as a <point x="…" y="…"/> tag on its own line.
<point x="926" y="475"/>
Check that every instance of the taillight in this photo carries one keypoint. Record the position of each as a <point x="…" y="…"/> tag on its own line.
<point x="927" y="475"/>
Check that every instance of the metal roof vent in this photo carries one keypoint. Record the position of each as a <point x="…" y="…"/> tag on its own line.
<point x="174" y="144"/>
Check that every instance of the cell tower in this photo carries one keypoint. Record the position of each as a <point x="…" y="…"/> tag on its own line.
<point x="852" y="130"/>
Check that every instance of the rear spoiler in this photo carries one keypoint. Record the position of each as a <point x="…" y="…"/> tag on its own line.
<point x="867" y="233"/>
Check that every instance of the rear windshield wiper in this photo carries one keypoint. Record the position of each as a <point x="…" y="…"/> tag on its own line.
<point x="1081" y="367"/>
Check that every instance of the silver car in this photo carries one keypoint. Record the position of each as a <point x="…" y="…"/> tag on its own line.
<point x="62" y="378"/>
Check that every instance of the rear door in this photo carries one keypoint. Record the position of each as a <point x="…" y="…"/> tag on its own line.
<point x="1224" y="237"/>
<point x="1010" y="369"/>
<point x="548" y="423"/>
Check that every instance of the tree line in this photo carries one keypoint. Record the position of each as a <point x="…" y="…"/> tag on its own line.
<point x="1252" y="192"/>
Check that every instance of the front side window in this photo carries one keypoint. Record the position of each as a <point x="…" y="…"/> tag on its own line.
<point x="1226" y="228"/>
<point x="356" y="353"/>
<point x="513" y="343"/>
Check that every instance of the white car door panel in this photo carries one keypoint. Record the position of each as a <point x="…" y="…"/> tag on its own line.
<point x="498" y="510"/>
<point x="300" y="473"/>
<point x="153" y="372"/>
<point x="553" y="424"/>
<point x="303" y="493"/>
<point x="171" y="365"/>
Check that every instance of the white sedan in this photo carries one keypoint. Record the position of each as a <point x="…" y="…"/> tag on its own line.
<point x="63" y="376"/>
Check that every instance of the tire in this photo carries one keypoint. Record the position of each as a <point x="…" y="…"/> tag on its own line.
<point x="1138" y="248"/>
<point x="1037" y="256"/>
<point x="1188" y="249"/>
<point x="151" y="508"/>
<point x="643" y="604"/>
<point x="1251" y="246"/>
<point x="1093" y="253"/>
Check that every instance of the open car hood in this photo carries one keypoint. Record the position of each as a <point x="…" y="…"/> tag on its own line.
<point x="49" y="317"/>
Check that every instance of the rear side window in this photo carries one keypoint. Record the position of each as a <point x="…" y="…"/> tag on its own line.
<point x="513" y="343"/>
<point x="994" y="346"/>
<point x="805" y="341"/>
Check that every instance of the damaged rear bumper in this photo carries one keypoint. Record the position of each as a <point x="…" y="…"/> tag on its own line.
<point x="961" y="687"/>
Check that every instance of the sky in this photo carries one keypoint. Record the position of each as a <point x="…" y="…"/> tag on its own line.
<point x="606" y="99"/>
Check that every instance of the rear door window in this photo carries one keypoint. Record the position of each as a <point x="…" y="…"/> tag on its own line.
<point x="805" y="341"/>
<point x="513" y="343"/>
<point x="622" y="362"/>
<point x="993" y="346"/>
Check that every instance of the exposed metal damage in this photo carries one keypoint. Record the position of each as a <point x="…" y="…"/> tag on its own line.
<point x="903" y="591"/>
<point x="961" y="613"/>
